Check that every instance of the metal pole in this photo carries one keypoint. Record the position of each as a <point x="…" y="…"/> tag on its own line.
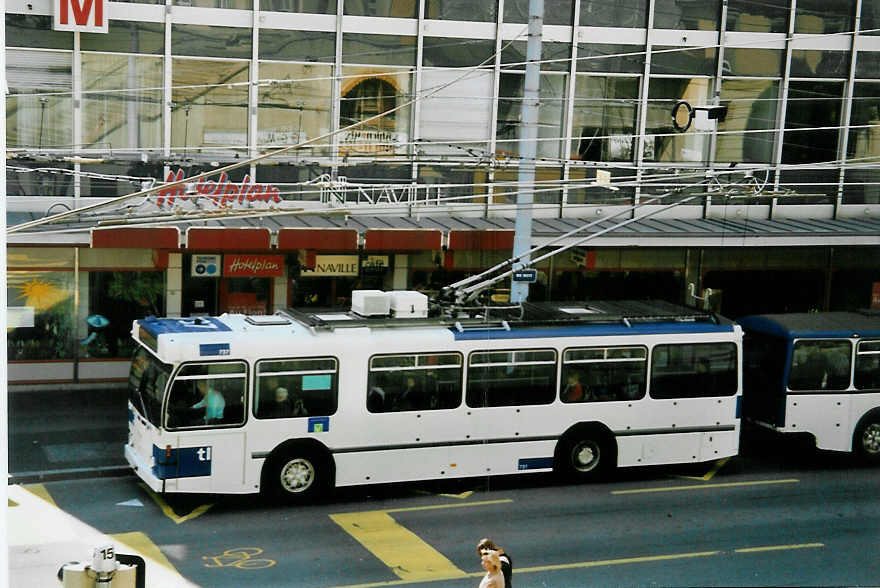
<point x="528" y="148"/>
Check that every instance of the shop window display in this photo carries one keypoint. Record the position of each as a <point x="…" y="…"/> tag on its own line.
<point x="40" y="306"/>
<point x="115" y="300"/>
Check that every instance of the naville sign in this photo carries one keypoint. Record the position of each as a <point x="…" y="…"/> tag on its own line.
<point x="84" y="16"/>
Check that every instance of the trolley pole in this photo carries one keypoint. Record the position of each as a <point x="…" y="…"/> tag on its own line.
<point x="528" y="151"/>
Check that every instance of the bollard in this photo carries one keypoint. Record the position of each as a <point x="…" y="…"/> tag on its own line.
<point x="105" y="571"/>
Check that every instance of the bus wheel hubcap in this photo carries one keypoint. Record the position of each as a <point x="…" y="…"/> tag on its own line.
<point x="585" y="456"/>
<point x="871" y="438"/>
<point x="297" y="475"/>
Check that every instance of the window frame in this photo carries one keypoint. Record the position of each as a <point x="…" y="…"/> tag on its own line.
<point x="334" y="383"/>
<point x="643" y="385"/>
<point x="416" y="366"/>
<point x="176" y="377"/>
<point x="552" y="388"/>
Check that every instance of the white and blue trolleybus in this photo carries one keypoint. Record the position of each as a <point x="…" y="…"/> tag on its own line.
<point x="816" y="374"/>
<point x="299" y="402"/>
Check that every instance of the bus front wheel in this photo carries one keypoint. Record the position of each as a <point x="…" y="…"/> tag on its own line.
<point x="585" y="457"/>
<point x="296" y="476"/>
<point x="867" y="439"/>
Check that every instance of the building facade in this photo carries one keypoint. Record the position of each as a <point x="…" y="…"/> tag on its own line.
<point x="774" y="207"/>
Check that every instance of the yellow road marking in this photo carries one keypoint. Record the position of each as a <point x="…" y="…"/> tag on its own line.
<point x="169" y="512"/>
<point x="705" y="486"/>
<point x="436" y="506"/>
<point x="41" y="491"/>
<point x="141" y="543"/>
<point x="397" y="547"/>
<point x="715" y="468"/>
<point x="597" y="563"/>
<point x="779" y="547"/>
<point x="462" y="495"/>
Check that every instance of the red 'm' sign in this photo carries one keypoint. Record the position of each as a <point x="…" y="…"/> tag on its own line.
<point x="244" y="265"/>
<point x="85" y="16"/>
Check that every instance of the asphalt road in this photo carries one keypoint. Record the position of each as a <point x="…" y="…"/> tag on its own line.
<point x="781" y="515"/>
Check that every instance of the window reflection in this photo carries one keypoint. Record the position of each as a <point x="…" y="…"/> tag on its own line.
<point x="297" y="45"/>
<point x="307" y="6"/>
<point x="366" y="94"/>
<point x="556" y="12"/>
<point x="209" y="104"/>
<point x="740" y="61"/>
<point x="686" y="14"/>
<point x="509" y="124"/>
<point x="621" y="13"/>
<point x="295" y="105"/>
<point x="604" y="58"/>
<point x="758" y="16"/>
<point x="128" y="37"/>
<point x="446" y="52"/>
<point x="604" y="118"/>
<point x="465" y="134"/>
<point x="546" y="188"/>
<point x="239" y="4"/>
<point x="680" y="61"/>
<point x="122" y="119"/>
<point x="751" y="107"/>
<point x="811" y="120"/>
<point x="822" y="64"/>
<point x="378" y="49"/>
<point x="819" y="16"/>
<point x="210" y="41"/>
<point x="30" y="30"/>
<point x="485" y="11"/>
<point x="39" y="106"/>
<point x="393" y="8"/>
<point x="662" y="143"/>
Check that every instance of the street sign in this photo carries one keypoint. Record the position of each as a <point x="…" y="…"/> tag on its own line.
<point x="525" y="275"/>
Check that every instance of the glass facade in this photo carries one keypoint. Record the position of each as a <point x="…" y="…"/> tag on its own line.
<point x="206" y="85"/>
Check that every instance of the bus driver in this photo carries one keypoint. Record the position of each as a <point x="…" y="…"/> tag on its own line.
<point x="212" y="401"/>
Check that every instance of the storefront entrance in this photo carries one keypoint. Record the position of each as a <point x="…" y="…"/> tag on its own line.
<point x="245" y="295"/>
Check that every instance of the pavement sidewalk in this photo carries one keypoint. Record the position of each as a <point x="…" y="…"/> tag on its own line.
<point x="42" y="538"/>
<point x="67" y="433"/>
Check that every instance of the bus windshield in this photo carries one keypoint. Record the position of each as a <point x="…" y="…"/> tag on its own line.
<point x="146" y="384"/>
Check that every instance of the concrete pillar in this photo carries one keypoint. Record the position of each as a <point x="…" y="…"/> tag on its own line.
<point x="279" y="291"/>
<point x="174" y="285"/>
<point x="401" y="272"/>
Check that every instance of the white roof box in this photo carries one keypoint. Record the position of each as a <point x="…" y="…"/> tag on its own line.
<point x="370" y="302"/>
<point x="408" y="304"/>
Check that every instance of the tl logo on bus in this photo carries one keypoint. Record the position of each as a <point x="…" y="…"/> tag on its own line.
<point x="86" y="16"/>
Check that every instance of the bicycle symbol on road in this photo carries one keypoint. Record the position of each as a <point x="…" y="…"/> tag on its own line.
<point x="239" y="557"/>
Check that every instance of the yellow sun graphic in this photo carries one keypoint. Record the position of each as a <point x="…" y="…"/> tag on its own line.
<point x="42" y="294"/>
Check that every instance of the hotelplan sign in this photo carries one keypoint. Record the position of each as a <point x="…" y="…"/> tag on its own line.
<point x="84" y="16"/>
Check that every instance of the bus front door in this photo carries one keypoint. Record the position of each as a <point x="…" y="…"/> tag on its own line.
<point x="204" y="461"/>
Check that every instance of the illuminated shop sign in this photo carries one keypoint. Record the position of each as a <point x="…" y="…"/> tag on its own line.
<point x="84" y="17"/>
<point x="332" y="265"/>
<point x="221" y="193"/>
<point x="248" y="266"/>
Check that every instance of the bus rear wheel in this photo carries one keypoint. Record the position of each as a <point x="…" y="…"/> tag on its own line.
<point x="867" y="439"/>
<point x="296" y="476"/>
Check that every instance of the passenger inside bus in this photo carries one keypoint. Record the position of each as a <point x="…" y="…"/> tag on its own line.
<point x="573" y="391"/>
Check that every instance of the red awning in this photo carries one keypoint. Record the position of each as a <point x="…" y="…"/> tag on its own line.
<point x="403" y="240"/>
<point x="476" y="240"/>
<point x="228" y="239"/>
<point x="329" y="239"/>
<point x="136" y="238"/>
